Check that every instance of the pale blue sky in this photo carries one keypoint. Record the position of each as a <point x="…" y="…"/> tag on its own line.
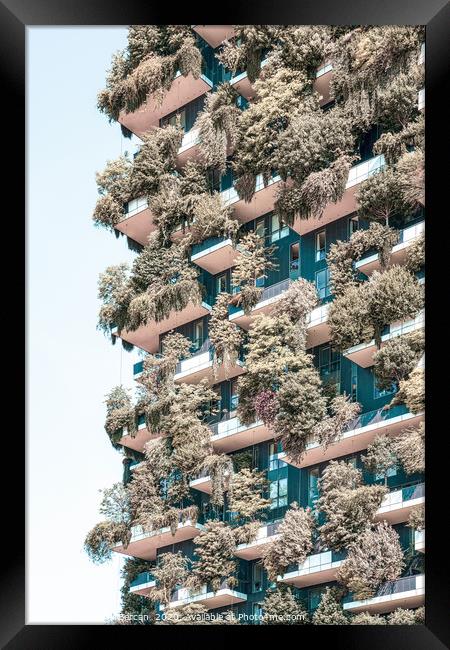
<point x="71" y="365"/>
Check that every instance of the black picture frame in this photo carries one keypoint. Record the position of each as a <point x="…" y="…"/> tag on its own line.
<point x="15" y="16"/>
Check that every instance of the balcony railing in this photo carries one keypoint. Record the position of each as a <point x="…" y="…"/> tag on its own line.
<point x="364" y="170"/>
<point x="267" y="293"/>
<point x="408" y="583"/>
<point x="142" y="579"/>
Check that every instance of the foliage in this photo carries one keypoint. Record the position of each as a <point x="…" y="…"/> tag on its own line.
<point x="348" y="506"/>
<point x="343" y="254"/>
<point x="411" y="392"/>
<point x="293" y="544"/>
<point x="252" y="263"/>
<point x="114" y="188"/>
<point x="102" y="537"/>
<point x="411" y="169"/>
<point x="381" y="456"/>
<point x="245" y="51"/>
<point x="417" y="518"/>
<point x="415" y="257"/>
<point x="329" y="611"/>
<point x="381" y="197"/>
<point x="155" y="160"/>
<point x="225" y="336"/>
<point x="401" y="616"/>
<point x="119" y="415"/>
<point x="375" y="557"/>
<point x="220" y="469"/>
<point x="214" y="546"/>
<point x="266" y="407"/>
<point x="170" y="571"/>
<point x="281" y="606"/>
<point x="364" y="618"/>
<point x="149" y="69"/>
<point x="297" y="302"/>
<point x="246" y="533"/>
<point x="217" y="124"/>
<point x="330" y="428"/>
<point x="247" y="488"/>
<point x="410" y="449"/>
<point x="398" y="358"/>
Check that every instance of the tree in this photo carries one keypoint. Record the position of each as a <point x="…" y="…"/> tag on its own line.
<point x="215" y="547"/>
<point x="342" y="411"/>
<point x="381" y="197"/>
<point x="401" y="616"/>
<point x="348" y="317"/>
<point x="280" y="606"/>
<point x="375" y="557"/>
<point x="415" y="258"/>
<point x="410" y="449"/>
<point x="329" y="611"/>
<point x="119" y="415"/>
<point x="113" y="187"/>
<point x="381" y="456"/>
<point x="411" y="392"/>
<point x="247" y="488"/>
<point x="411" y="168"/>
<point x="417" y="518"/>
<point x="225" y="336"/>
<point x="293" y="544"/>
<point x="252" y="263"/>
<point x="397" y="359"/>
<point x="115" y="507"/>
<point x="364" y="618"/>
<point x="348" y="506"/>
<point x="170" y="572"/>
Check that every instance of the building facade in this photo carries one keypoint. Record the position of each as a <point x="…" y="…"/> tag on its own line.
<point x="299" y="250"/>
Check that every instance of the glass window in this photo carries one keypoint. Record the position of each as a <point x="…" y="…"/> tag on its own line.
<point x="353" y="225"/>
<point x="354" y="382"/>
<point x="323" y="283"/>
<point x="221" y="283"/>
<point x="274" y="450"/>
<point x="257" y="577"/>
<point x="313" y="486"/>
<point x="277" y="232"/>
<point x="259" y="282"/>
<point x="260" y="228"/>
<point x="234" y="395"/>
<point x="378" y="394"/>
<point x="278" y="493"/>
<point x="320" y="246"/>
<point x="257" y="612"/>
<point x="172" y="120"/>
<point x="198" y="336"/>
<point x="329" y="366"/>
<point x="294" y="260"/>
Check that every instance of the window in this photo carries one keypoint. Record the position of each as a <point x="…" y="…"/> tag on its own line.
<point x="257" y="613"/>
<point x="172" y="120"/>
<point x="313" y="486"/>
<point x="257" y="577"/>
<point x="323" y="283"/>
<point x="234" y="395"/>
<point x="277" y="232"/>
<point x="392" y="471"/>
<point x="314" y="598"/>
<point x="260" y="228"/>
<point x="278" y="493"/>
<point x="274" y="450"/>
<point x="259" y="282"/>
<point x="353" y="225"/>
<point x="198" y="336"/>
<point x="354" y="382"/>
<point x="294" y="260"/>
<point x="320" y="246"/>
<point x="378" y="394"/>
<point x="329" y="366"/>
<point x="221" y="283"/>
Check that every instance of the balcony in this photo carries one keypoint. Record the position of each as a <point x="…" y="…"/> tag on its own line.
<point x="138" y="442"/>
<point x="322" y="82"/>
<point x="242" y="85"/>
<point x="362" y="354"/>
<point x="407" y="236"/>
<point x="230" y="435"/>
<point x="189" y="149"/>
<point x="138" y="221"/>
<point x="205" y="596"/>
<point x="408" y="592"/>
<point x="315" y="570"/>
<point x="359" y="434"/>
<point x="269" y="296"/>
<point x="215" y="254"/>
<point x="200" y="366"/>
<point x="214" y="35"/>
<point x="347" y="205"/>
<point x="144" y="544"/>
<point x="182" y="91"/>
<point x="138" y="368"/>
<point x="143" y="584"/>
<point x="261" y="202"/>
<point x="147" y="336"/>
<point x="203" y="483"/>
<point x="397" y="505"/>
<point x="255" y="549"/>
<point x="419" y="541"/>
<point x="318" y="330"/>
